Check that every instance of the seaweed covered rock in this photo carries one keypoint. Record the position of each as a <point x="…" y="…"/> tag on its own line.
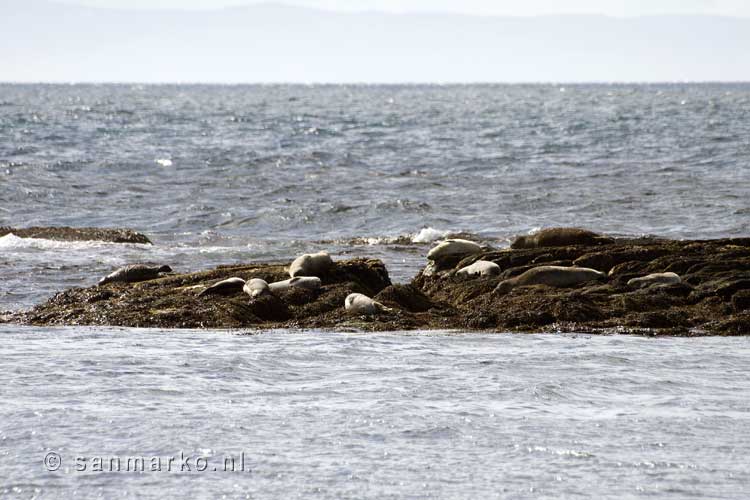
<point x="173" y="301"/>
<point x="711" y="296"/>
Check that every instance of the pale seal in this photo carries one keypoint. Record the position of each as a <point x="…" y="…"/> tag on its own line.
<point x="452" y="247"/>
<point x="256" y="287"/>
<point x="480" y="268"/>
<point x="556" y="276"/>
<point x="134" y="273"/>
<point x="560" y="237"/>
<point x="357" y="303"/>
<point x="306" y="282"/>
<point x="655" y="279"/>
<point x="310" y="264"/>
<point x="229" y="286"/>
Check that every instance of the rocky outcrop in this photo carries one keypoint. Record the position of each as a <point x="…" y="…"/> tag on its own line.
<point x="712" y="298"/>
<point x="78" y="234"/>
<point x="172" y="301"/>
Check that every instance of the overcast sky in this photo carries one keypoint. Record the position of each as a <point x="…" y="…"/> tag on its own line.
<point x="48" y="42"/>
<point x="734" y="8"/>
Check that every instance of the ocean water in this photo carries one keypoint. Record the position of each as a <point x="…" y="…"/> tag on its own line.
<point x="226" y="174"/>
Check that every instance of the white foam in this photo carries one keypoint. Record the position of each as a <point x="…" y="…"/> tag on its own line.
<point x="164" y="162"/>
<point x="428" y="235"/>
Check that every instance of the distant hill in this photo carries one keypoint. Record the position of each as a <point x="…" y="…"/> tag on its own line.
<point x="272" y="43"/>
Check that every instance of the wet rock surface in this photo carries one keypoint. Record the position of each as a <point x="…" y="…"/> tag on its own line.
<point x="78" y="234"/>
<point x="713" y="297"/>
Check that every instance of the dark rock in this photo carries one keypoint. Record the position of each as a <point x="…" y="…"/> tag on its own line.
<point x="405" y="297"/>
<point x="741" y="300"/>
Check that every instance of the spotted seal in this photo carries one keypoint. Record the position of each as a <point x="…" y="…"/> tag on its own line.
<point x="358" y="303"/>
<point x="556" y="276"/>
<point x="134" y="273"/>
<point x="229" y="286"/>
<point x="256" y="287"/>
<point x="480" y="268"/>
<point x="310" y="264"/>
<point x="306" y="282"/>
<point x="655" y="279"/>
<point x="452" y="247"/>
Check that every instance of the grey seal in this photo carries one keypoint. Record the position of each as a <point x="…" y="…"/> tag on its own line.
<point x="655" y="279"/>
<point x="358" y="303"/>
<point x="134" y="273"/>
<point x="310" y="264"/>
<point x="480" y="268"/>
<point x="256" y="287"/>
<point x="560" y="237"/>
<point x="306" y="282"/>
<point x="229" y="286"/>
<point x="557" y="276"/>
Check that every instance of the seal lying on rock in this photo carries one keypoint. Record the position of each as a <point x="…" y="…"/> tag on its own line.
<point x="357" y="303"/>
<point x="134" y="273"/>
<point x="480" y="268"/>
<point x="556" y="276"/>
<point x="306" y="282"/>
<point x="256" y="287"/>
<point x="453" y="247"/>
<point x="560" y="237"/>
<point x="229" y="286"/>
<point x="655" y="279"/>
<point x="310" y="264"/>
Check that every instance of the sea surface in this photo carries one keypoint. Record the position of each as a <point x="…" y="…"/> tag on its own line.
<point x="228" y="174"/>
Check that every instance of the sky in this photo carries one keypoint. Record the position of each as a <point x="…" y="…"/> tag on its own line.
<point x="627" y="8"/>
<point x="64" y="42"/>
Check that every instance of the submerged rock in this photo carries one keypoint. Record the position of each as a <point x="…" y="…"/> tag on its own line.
<point x="78" y="234"/>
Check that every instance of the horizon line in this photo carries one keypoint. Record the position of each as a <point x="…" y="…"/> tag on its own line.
<point x="385" y="84"/>
<point x="281" y="4"/>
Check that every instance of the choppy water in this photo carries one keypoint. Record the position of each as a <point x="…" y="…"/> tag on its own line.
<point x="218" y="175"/>
<point x="264" y="172"/>
<point x="375" y="416"/>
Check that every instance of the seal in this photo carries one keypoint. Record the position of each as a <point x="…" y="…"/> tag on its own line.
<point x="310" y="264"/>
<point x="256" y="287"/>
<point x="480" y="268"/>
<point x="229" y="286"/>
<point x="358" y="303"/>
<point x="560" y="237"/>
<point x="134" y="273"/>
<point x="556" y="276"/>
<point x="306" y="282"/>
<point x="453" y="247"/>
<point x="655" y="279"/>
